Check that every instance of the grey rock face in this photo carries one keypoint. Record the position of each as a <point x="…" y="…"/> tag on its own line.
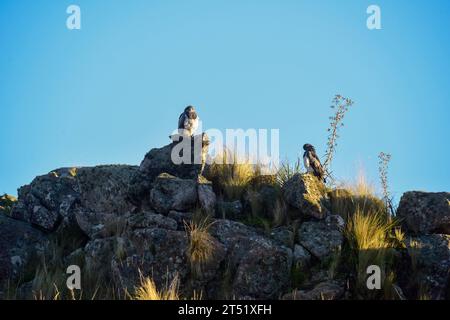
<point x="87" y="196"/>
<point x="20" y="248"/>
<point x="307" y="194"/>
<point x="206" y="196"/>
<point x="181" y="218"/>
<point x="283" y="235"/>
<point x="322" y="238"/>
<point x="151" y="220"/>
<point x="261" y="267"/>
<point x="229" y="210"/>
<point x="263" y="271"/>
<point x="172" y="193"/>
<point x="302" y="258"/>
<point x="155" y="252"/>
<point x="425" y="212"/>
<point x="431" y="255"/>
<point x="161" y="160"/>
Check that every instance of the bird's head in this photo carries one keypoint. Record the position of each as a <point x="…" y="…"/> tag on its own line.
<point x="308" y="147"/>
<point x="190" y="112"/>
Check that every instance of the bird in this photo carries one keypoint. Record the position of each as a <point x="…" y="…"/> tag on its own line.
<point x="312" y="162"/>
<point x="188" y="122"/>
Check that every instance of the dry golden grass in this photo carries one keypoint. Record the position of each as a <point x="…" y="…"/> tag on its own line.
<point x="371" y="240"/>
<point x="201" y="244"/>
<point x="232" y="174"/>
<point x="148" y="290"/>
<point x="358" y="195"/>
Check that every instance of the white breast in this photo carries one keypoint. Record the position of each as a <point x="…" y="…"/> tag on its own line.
<point x="307" y="165"/>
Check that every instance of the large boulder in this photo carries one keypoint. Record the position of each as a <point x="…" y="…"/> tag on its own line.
<point x="88" y="197"/>
<point x="153" y="252"/>
<point x="307" y="194"/>
<point x="425" y="212"/>
<point x="172" y="193"/>
<point x="20" y="248"/>
<point x="322" y="238"/>
<point x="259" y="268"/>
<point x="430" y="257"/>
<point x="263" y="271"/>
<point x="169" y="159"/>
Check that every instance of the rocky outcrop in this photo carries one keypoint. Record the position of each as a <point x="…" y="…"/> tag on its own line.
<point x="88" y="197"/>
<point x="307" y="194"/>
<point x="123" y="223"/>
<point x="322" y="238"/>
<point x="425" y="212"/>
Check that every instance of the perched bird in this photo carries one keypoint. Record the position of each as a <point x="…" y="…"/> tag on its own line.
<point x="312" y="162"/>
<point x="188" y="121"/>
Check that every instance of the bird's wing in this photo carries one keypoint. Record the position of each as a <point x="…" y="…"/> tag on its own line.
<point x="315" y="164"/>
<point x="181" y="121"/>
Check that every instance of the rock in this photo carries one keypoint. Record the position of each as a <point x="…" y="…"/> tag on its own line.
<point x="283" y="235"/>
<point x="260" y="268"/>
<point x="159" y="160"/>
<point x="98" y="256"/>
<point x="152" y="252"/>
<point x="431" y="256"/>
<point x="425" y="212"/>
<point x="306" y="193"/>
<point x="263" y="271"/>
<point x="229" y="210"/>
<point x="231" y="232"/>
<point x="20" y="248"/>
<point x="302" y="258"/>
<point x="206" y="196"/>
<point x="151" y="220"/>
<point x="172" y="193"/>
<point x="329" y="290"/>
<point x="181" y="218"/>
<point x="6" y="203"/>
<point x="322" y="238"/>
<point x="89" y="197"/>
<point x="262" y="200"/>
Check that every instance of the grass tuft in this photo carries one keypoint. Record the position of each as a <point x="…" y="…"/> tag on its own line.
<point x="148" y="290"/>
<point x="201" y="243"/>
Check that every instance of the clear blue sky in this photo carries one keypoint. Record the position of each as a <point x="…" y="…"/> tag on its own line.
<point x="113" y="90"/>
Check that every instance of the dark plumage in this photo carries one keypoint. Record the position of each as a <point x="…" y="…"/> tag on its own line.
<point x="312" y="162"/>
<point x="188" y="121"/>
